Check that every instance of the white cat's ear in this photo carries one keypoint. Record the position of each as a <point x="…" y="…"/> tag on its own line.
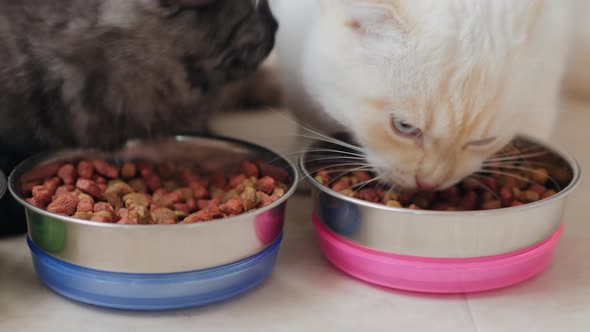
<point x="375" y="17"/>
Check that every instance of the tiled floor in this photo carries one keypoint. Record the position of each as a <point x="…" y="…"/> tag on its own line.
<point x="306" y="294"/>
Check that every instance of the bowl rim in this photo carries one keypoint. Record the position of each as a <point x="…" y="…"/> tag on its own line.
<point x="39" y="158"/>
<point x="561" y="152"/>
<point x="3" y="184"/>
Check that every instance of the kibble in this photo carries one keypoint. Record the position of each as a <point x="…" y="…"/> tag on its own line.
<point x="143" y="193"/>
<point x="504" y="186"/>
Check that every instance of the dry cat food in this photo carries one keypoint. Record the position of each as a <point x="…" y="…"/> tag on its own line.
<point x="148" y="193"/>
<point x="504" y="184"/>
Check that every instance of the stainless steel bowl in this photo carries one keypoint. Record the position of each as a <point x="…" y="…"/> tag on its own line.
<point x="3" y="184"/>
<point x="159" y="248"/>
<point x="438" y="234"/>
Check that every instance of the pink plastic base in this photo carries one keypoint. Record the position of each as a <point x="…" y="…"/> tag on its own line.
<point x="431" y="275"/>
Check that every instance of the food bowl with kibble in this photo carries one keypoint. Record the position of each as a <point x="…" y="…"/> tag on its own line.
<point x="160" y="224"/>
<point x="495" y="229"/>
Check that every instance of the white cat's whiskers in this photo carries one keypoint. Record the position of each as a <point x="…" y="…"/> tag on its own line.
<point x="526" y="169"/>
<point x="481" y="184"/>
<point x="518" y="157"/>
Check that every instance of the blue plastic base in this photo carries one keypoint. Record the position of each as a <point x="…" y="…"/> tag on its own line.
<point x="153" y="291"/>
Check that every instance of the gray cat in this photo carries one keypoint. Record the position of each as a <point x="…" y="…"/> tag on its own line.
<point x="94" y="73"/>
<point x="97" y="72"/>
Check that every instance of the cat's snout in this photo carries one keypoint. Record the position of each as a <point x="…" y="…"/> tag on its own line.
<point x="425" y="186"/>
<point x="266" y="13"/>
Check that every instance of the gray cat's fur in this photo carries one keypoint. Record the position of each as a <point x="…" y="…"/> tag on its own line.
<point x="94" y="73"/>
<point x="97" y="72"/>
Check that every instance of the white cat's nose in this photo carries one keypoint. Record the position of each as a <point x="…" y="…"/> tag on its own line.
<point x="425" y="186"/>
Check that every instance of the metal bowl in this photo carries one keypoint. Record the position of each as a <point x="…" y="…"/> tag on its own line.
<point x="159" y="248"/>
<point x="435" y="234"/>
<point x="3" y="184"/>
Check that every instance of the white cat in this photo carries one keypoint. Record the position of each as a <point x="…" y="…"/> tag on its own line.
<point x="429" y="88"/>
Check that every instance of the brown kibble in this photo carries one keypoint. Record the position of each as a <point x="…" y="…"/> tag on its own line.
<point x="99" y="179"/>
<point x="138" y="185"/>
<point x="275" y="172"/>
<point x="42" y="194"/>
<point x="41" y="172"/>
<point x="204" y="204"/>
<point x="561" y="175"/>
<point x="67" y="173"/>
<point x="266" y="185"/>
<point x="103" y="216"/>
<point x="128" y="170"/>
<point x="249" y="169"/>
<point x="516" y="193"/>
<point x="85" y="204"/>
<point x="323" y="177"/>
<point x="136" y="199"/>
<point x="139" y="215"/>
<point x="538" y="189"/>
<point x="250" y="198"/>
<point x="123" y="213"/>
<point x="188" y="176"/>
<point x="191" y="203"/>
<point x="539" y="176"/>
<point x="506" y="196"/>
<point x="232" y="207"/>
<point x="369" y="195"/>
<point x="361" y="176"/>
<point x="549" y="193"/>
<point x="82" y="190"/>
<point x="126" y="221"/>
<point x="64" y="204"/>
<point x="181" y="207"/>
<point x="530" y="196"/>
<point x="491" y="205"/>
<point x="83" y="215"/>
<point x="51" y="184"/>
<point x="199" y="190"/>
<point x="507" y="181"/>
<point x="237" y="180"/>
<point x="64" y="189"/>
<point x="469" y="201"/>
<point x="218" y="181"/>
<point x="85" y="170"/>
<point x="105" y="169"/>
<point x="102" y="206"/>
<point x="167" y="170"/>
<point x="187" y="193"/>
<point x="90" y="187"/>
<point x="393" y="203"/>
<point x="202" y="215"/>
<point x="341" y="185"/>
<point x="152" y="181"/>
<point x="36" y="202"/>
<point x="26" y="188"/>
<point x="161" y="216"/>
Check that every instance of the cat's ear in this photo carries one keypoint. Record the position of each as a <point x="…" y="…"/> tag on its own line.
<point x="375" y="17"/>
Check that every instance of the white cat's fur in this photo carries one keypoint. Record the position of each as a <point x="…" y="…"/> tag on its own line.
<point x="460" y="70"/>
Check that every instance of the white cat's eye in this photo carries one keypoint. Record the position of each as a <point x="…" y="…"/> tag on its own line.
<point x="403" y="128"/>
<point x="481" y="142"/>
